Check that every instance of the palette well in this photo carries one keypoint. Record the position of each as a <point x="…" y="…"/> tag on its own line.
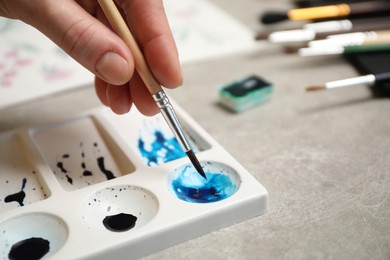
<point x="103" y="185"/>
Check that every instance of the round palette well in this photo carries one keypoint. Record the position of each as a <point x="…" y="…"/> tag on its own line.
<point x="222" y="182"/>
<point x="32" y="236"/>
<point x="119" y="208"/>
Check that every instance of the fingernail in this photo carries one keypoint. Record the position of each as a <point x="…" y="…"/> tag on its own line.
<point x="112" y="68"/>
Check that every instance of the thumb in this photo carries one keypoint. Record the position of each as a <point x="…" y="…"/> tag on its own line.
<point x="83" y="37"/>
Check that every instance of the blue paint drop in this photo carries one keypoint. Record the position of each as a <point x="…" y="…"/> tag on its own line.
<point x="162" y="149"/>
<point x="190" y="186"/>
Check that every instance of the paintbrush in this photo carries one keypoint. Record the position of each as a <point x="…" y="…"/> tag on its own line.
<point x="327" y="11"/>
<point x="366" y="46"/>
<point x="155" y="89"/>
<point x="321" y="30"/>
<point x="357" y="38"/>
<point x="370" y="79"/>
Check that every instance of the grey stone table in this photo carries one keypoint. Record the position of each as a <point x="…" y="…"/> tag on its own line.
<point x="324" y="156"/>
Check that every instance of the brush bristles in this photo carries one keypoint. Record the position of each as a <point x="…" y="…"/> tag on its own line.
<point x="196" y="163"/>
<point x="315" y="88"/>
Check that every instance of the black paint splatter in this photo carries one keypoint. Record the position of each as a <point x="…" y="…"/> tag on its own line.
<point x="19" y="196"/>
<point x="69" y="179"/>
<point x="85" y="172"/>
<point x="60" y="165"/>
<point x="108" y="173"/>
<point x="119" y="222"/>
<point x="31" y="248"/>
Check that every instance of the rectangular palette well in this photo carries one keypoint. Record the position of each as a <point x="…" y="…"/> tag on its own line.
<point x="103" y="185"/>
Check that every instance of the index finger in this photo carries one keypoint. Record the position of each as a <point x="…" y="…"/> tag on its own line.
<point x="149" y="25"/>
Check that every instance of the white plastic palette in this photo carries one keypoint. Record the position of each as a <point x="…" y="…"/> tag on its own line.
<point x="70" y="189"/>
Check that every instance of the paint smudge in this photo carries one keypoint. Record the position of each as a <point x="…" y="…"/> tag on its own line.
<point x="120" y="222"/>
<point x="161" y="150"/>
<point x="108" y="173"/>
<point x="190" y="186"/>
<point x="19" y="196"/>
<point x="31" y="248"/>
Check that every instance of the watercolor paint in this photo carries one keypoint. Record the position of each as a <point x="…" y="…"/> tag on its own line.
<point x="157" y="144"/>
<point x="161" y="149"/>
<point x="118" y="182"/>
<point x="154" y="139"/>
<point x="221" y="183"/>
<point x="245" y="93"/>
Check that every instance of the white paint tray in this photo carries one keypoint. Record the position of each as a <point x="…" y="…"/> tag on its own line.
<point x="61" y="181"/>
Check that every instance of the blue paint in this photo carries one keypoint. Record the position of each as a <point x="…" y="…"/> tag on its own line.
<point x="189" y="186"/>
<point x="162" y="149"/>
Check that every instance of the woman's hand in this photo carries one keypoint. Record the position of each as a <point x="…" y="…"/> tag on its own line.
<point x="81" y="29"/>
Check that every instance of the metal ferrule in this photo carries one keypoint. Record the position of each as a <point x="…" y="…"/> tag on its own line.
<point x="170" y="117"/>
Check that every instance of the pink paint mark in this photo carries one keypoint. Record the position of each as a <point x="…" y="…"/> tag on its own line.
<point x="24" y="62"/>
<point x="57" y="75"/>
<point x="11" y="54"/>
<point x="5" y="83"/>
<point x="11" y="67"/>
<point x="10" y="74"/>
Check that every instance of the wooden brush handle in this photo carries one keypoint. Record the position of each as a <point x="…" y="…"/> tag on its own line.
<point x="121" y="28"/>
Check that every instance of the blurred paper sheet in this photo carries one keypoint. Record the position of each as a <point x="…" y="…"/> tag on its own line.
<point x="32" y="66"/>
